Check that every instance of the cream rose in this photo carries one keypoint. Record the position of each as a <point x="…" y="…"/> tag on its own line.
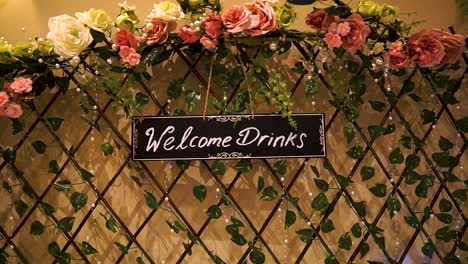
<point x="166" y="11"/>
<point x="68" y="35"/>
<point x="96" y="19"/>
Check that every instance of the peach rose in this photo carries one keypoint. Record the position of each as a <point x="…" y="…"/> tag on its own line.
<point x="263" y="17"/>
<point x="188" y="34"/>
<point x="426" y="49"/>
<point x="208" y="43"/>
<point x="396" y="59"/>
<point x="4" y="98"/>
<point x="213" y="25"/>
<point x="157" y="31"/>
<point x="318" y="20"/>
<point x="236" y="19"/>
<point x="128" y="55"/>
<point x="454" y="45"/>
<point x="357" y="31"/>
<point x="21" y="85"/>
<point x="124" y="37"/>
<point x="13" y="111"/>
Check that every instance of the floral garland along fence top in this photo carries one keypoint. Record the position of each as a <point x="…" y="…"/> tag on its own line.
<point x="99" y="48"/>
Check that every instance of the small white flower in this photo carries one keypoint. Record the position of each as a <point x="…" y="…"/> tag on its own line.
<point x="166" y="11"/>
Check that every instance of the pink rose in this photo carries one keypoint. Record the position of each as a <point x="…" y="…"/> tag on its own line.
<point x="157" y="31"/>
<point x="21" y="85"/>
<point x="454" y="45"/>
<point x="208" y="43"/>
<point x="4" y="98"/>
<point x="13" y="111"/>
<point x="318" y="20"/>
<point x="426" y="49"/>
<point x="332" y="40"/>
<point x="262" y="17"/>
<point x="128" y="55"/>
<point x="124" y="37"/>
<point x="213" y="25"/>
<point x="356" y="28"/>
<point x="236" y="19"/>
<point x="396" y="59"/>
<point x="188" y="34"/>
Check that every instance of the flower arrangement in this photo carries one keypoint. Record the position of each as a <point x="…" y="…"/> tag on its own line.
<point x="373" y="30"/>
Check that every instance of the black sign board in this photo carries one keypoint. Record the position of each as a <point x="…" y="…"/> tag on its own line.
<point x="228" y="137"/>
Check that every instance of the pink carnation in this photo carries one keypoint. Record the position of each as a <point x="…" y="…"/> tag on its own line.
<point x="13" y="111"/>
<point x="208" y="43"/>
<point x="4" y="98"/>
<point x="237" y="19"/>
<point x="332" y="40"/>
<point x="398" y="46"/>
<point x="21" y="85"/>
<point x="188" y="34"/>
<point x="128" y="55"/>
<point x="213" y="25"/>
<point x="263" y="17"/>
<point x="124" y="37"/>
<point x="157" y="31"/>
<point x="396" y="59"/>
<point x="353" y="31"/>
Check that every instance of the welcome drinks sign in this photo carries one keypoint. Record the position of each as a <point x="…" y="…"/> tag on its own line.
<point x="228" y="137"/>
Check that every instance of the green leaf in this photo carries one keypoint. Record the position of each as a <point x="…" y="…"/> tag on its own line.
<point x="78" y="200"/>
<point x="269" y="194"/>
<point x="428" y="249"/>
<point x="427" y="116"/>
<point x="412" y="161"/>
<point x="280" y="167"/>
<point x="445" y="234"/>
<point x="393" y="206"/>
<point x="376" y="131"/>
<point x="53" y="167"/>
<point x="66" y="223"/>
<point x="151" y="201"/>
<point x="327" y="226"/>
<point x="343" y="181"/>
<point x="18" y="125"/>
<point x="321" y="185"/>
<point x="21" y="207"/>
<point x="444" y="218"/>
<point x="320" y="202"/>
<point x="301" y="2"/>
<point x="97" y="36"/>
<point x="305" y="235"/>
<point x="358" y="84"/>
<point x="451" y="259"/>
<point x="356" y="230"/>
<point x="136" y="180"/>
<point x="107" y="149"/>
<point x="111" y="224"/>
<point x="445" y="205"/>
<point x="352" y="66"/>
<point x="345" y="241"/>
<point x="443" y="159"/>
<point x="361" y="208"/>
<point x="122" y="248"/>
<point x="37" y="228"/>
<point x="141" y="98"/>
<point x="377" y="106"/>
<point x="290" y="219"/>
<point x="311" y="87"/>
<point x="364" y="249"/>
<point x="349" y="134"/>
<point x="239" y="239"/>
<point x="412" y="221"/>
<point x="183" y="164"/>
<point x="405" y="141"/>
<point x="9" y="155"/>
<point x="408" y="86"/>
<point x="200" y="192"/>
<point x="396" y="157"/>
<point x="315" y="170"/>
<point x="53" y="249"/>
<point x="460" y="194"/>
<point x="157" y="55"/>
<point x="214" y="212"/>
<point x="450" y="177"/>
<point x="48" y="209"/>
<point x="187" y="248"/>
<point x="462" y="124"/>
<point x="7" y="187"/>
<point x="244" y="166"/>
<point x="463" y="246"/>
<point x="445" y="144"/>
<point x="356" y="152"/>
<point x="257" y="256"/>
<point x="39" y="146"/>
<point x="62" y="186"/>
<point x="192" y="98"/>
<point x="218" y="168"/>
<point x="367" y="173"/>
<point x="423" y="186"/>
<point x="379" y="190"/>
<point x="380" y="241"/>
<point x="415" y="97"/>
<point x="55" y="122"/>
<point x="261" y="184"/>
<point x="87" y="249"/>
<point x="175" y="88"/>
<point x="86" y="174"/>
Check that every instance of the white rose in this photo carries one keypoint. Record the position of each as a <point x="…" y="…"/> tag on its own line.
<point x="166" y="11"/>
<point x="68" y="35"/>
<point x="96" y="19"/>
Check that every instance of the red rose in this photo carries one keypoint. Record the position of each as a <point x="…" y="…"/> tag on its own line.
<point x="318" y="20"/>
<point x="396" y="59"/>
<point x="124" y="37"/>
<point x="188" y="34"/>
